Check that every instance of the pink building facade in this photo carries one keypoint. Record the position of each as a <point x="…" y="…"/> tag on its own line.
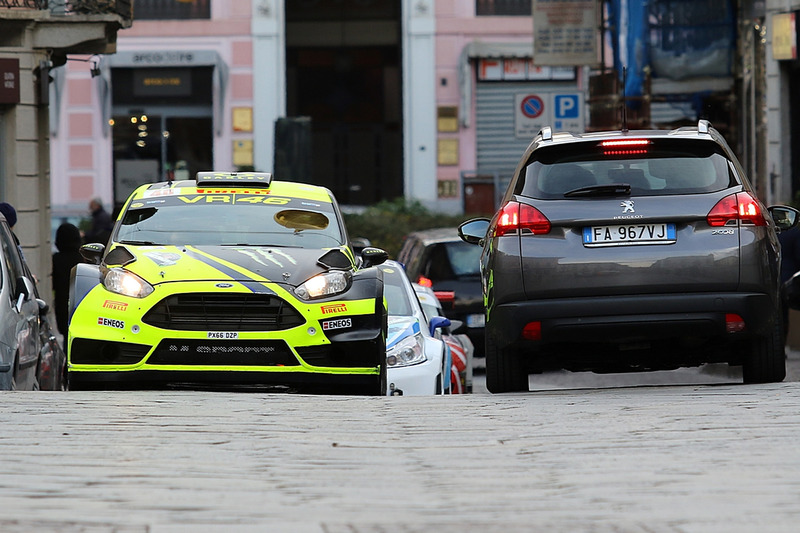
<point x="448" y="86"/>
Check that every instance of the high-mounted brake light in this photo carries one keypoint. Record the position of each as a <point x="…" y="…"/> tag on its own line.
<point x="742" y="207"/>
<point x="445" y="296"/>
<point x="625" y="147"/>
<point x="425" y="282"/>
<point x="520" y="217"/>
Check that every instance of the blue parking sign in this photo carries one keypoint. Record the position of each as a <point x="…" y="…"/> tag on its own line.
<point x="566" y="106"/>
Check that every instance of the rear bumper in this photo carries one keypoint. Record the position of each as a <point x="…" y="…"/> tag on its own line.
<point x="676" y="329"/>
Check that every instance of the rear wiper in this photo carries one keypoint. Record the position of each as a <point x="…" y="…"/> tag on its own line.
<point x="611" y="189"/>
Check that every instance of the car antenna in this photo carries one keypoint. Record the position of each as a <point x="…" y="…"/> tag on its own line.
<point x="624" y="100"/>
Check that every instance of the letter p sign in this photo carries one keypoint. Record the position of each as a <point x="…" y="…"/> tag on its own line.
<point x="566" y="106"/>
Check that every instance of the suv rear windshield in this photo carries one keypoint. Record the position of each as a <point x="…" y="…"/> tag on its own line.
<point x="664" y="166"/>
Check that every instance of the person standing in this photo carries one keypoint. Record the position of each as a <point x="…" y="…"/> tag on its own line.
<point x="68" y="241"/>
<point x="101" y="226"/>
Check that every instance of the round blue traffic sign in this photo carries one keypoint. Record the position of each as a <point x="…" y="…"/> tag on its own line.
<point x="532" y="106"/>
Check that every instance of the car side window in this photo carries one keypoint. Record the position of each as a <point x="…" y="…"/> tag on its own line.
<point x="11" y="259"/>
<point x="413" y="258"/>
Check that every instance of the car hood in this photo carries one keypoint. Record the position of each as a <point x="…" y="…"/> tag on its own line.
<point x="401" y="327"/>
<point x="165" y="264"/>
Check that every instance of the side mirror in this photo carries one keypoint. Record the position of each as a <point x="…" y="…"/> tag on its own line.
<point x="785" y="217"/>
<point x="373" y="256"/>
<point x="438" y="322"/>
<point x="43" y="307"/>
<point x="359" y="243"/>
<point x="474" y="231"/>
<point x="457" y="327"/>
<point x="24" y="291"/>
<point x="92" y="252"/>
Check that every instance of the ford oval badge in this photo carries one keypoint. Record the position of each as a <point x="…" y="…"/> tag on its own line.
<point x="224" y="285"/>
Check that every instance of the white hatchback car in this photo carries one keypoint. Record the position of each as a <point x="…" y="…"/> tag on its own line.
<point x="418" y="363"/>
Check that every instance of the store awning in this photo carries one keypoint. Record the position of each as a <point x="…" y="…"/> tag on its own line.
<point x="480" y="50"/>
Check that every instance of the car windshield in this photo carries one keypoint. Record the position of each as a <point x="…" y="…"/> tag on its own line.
<point x="665" y="167"/>
<point x="240" y="220"/>
<point x="395" y="290"/>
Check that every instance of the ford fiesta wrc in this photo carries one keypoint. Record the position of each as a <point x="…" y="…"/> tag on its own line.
<point x="232" y="279"/>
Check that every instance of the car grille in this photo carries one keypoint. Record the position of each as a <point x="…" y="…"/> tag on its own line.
<point x="193" y="352"/>
<point x="223" y="312"/>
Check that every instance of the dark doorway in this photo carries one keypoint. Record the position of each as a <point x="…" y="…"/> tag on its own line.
<point x="794" y="121"/>
<point x="343" y="62"/>
<point x="162" y="125"/>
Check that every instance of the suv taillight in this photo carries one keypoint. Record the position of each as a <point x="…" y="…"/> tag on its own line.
<point x="741" y="206"/>
<point x="516" y="216"/>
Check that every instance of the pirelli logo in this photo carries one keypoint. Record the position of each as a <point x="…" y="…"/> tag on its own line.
<point x="115" y="306"/>
<point x="333" y="309"/>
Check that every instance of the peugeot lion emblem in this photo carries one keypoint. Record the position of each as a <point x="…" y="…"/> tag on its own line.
<point x="627" y="206"/>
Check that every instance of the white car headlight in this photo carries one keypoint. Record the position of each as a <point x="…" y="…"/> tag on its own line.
<point x="407" y="352"/>
<point x="127" y="283"/>
<point x="325" y="284"/>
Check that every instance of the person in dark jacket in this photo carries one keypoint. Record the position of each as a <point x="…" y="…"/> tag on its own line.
<point x="68" y="240"/>
<point x="100" y="229"/>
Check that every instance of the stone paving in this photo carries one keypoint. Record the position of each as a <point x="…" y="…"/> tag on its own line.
<point x="719" y="457"/>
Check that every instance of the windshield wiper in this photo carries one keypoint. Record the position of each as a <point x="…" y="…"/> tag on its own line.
<point x="139" y="243"/>
<point x="256" y="245"/>
<point x="611" y="189"/>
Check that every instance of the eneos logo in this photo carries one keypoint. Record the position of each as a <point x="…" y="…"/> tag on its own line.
<point x="110" y="323"/>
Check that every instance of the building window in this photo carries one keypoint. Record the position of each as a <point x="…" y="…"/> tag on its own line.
<point x="514" y="8"/>
<point x="172" y="9"/>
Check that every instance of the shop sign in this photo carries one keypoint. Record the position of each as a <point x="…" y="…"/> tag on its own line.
<point x="784" y="36"/>
<point x="162" y="82"/>
<point x="520" y="70"/>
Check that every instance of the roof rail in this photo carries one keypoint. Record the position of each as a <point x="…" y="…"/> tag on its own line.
<point x="703" y="126"/>
<point x="546" y="133"/>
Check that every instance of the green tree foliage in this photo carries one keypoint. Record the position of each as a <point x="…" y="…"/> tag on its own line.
<point x="387" y="223"/>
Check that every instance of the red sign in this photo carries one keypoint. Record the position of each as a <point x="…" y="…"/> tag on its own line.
<point x="9" y="81"/>
<point x="532" y="106"/>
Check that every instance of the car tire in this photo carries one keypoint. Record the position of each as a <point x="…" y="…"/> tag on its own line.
<point x="767" y="361"/>
<point x="505" y="371"/>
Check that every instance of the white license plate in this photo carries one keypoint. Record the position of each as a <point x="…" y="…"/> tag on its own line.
<point x="476" y="321"/>
<point x="629" y="234"/>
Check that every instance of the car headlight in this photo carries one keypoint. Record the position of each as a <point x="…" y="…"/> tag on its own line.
<point x="407" y="352"/>
<point x="127" y="283"/>
<point x="325" y="284"/>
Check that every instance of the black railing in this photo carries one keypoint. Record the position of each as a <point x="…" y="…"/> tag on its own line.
<point x="27" y="4"/>
<point x="172" y="9"/>
<point x="123" y="8"/>
<point x="515" y="8"/>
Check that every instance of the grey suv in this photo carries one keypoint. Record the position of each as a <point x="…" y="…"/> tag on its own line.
<point x="630" y="251"/>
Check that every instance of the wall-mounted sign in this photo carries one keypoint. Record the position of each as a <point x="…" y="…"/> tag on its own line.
<point x="563" y="111"/>
<point x="9" y="81"/>
<point x="565" y="32"/>
<point x="243" y="153"/>
<point x="784" y="36"/>
<point x="242" y="119"/>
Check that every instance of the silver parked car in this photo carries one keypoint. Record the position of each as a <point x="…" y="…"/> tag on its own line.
<point x="630" y="251"/>
<point x="19" y="318"/>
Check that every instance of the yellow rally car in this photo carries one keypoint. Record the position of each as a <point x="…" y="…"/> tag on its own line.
<point x="232" y="279"/>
